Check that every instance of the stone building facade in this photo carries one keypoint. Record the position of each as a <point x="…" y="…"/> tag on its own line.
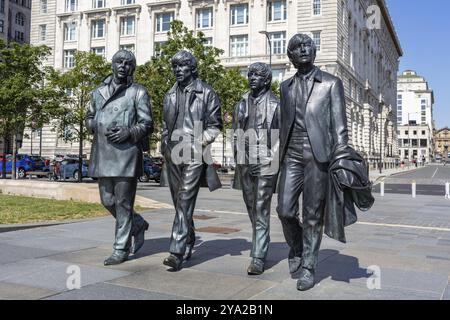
<point x="356" y="41"/>
<point x="415" y="101"/>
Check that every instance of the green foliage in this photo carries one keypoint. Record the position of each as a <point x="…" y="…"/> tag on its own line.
<point x="76" y="85"/>
<point x="26" y="97"/>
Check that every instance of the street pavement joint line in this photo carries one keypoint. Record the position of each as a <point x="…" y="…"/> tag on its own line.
<point x="403" y="226"/>
<point x="362" y="223"/>
<point x="267" y="289"/>
<point x="445" y="288"/>
<point x="435" y="173"/>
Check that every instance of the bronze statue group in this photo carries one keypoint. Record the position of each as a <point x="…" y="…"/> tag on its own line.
<point x="310" y="155"/>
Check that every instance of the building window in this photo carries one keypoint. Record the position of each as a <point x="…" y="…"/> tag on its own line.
<point x="423" y="132"/>
<point x="71" y="5"/>
<point x="278" y="74"/>
<point x="98" y="29"/>
<point x="205" y="18"/>
<point x="239" y="46"/>
<point x="2" y="26"/>
<point x="127" y="47"/>
<point x="278" y="41"/>
<point x="127" y="26"/>
<point x="69" y="59"/>
<point x="19" y="36"/>
<point x="317" y="40"/>
<point x="42" y="32"/>
<point x="208" y="41"/>
<point x="277" y="10"/>
<point x="70" y="31"/>
<point x="350" y="87"/>
<point x="124" y="2"/>
<point x="158" y="48"/>
<point x="100" y="51"/>
<point x="20" y="19"/>
<point x="2" y="6"/>
<point x="43" y="6"/>
<point x="317" y="7"/>
<point x="98" y="3"/>
<point x="239" y="14"/>
<point x="163" y="21"/>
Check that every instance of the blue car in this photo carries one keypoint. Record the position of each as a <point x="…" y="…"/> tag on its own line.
<point x="68" y="168"/>
<point x="23" y="164"/>
<point x="152" y="171"/>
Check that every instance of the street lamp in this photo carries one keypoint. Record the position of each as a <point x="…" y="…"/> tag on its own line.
<point x="270" y="47"/>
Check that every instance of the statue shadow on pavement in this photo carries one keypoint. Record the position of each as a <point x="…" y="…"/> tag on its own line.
<point x="332" y="264"/>
<point x="338" y="267"/>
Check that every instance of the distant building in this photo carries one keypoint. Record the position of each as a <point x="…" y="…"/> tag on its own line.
<point x="365" y="57"/>
<point x="442" y="143"/>
<point x="415" y="102"/>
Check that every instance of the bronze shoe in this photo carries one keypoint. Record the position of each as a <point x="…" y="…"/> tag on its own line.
<point x="139" y="238"/>
<point x="306" y="279"/>
<point x="117" y="257"/>
<point x="256" y="267"/>
<point x="174" y="261"/>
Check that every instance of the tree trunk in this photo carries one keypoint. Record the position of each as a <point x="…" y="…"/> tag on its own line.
<point x="14" y="154"/>
<point x="80" y="155"/>
<point x="4" y="158"/>
<point x="40" y="142"/>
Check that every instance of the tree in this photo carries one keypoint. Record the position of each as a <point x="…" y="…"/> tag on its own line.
<point x="77" y="84"/>
<point x="156" y="75"/>
<point x="26" y="98"/>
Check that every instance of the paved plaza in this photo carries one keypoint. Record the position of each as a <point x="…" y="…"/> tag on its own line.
<point x="398" y="250"/>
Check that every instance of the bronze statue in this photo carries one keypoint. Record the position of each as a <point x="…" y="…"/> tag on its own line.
<point x="313" y="143"/>
<point x="255" y="119"/>
<point x="191" y="111"/>
<point x="120" y="118"/>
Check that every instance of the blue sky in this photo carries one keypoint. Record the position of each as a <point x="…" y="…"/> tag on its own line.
<point x="424" y="31"/>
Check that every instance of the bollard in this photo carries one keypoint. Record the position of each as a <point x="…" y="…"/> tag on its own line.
<point x="413" y="187"/>
<point x="382" y="189"/>
<point x="447" y="190"/>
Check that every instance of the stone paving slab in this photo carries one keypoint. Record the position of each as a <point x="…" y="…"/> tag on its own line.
<point x="49" y="274"/>
<point x="414" y="262"/>
<point x="106" y="291"/>
<point x="334" y="290"/>
<point x="11" y="253"/>
<point x="195" y="284"/>
<point x="14" y="291"/>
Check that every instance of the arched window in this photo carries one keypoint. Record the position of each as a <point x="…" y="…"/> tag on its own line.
<point x="20" y="19"/>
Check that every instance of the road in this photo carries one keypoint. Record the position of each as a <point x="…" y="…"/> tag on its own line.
<point x="430" y="180"/>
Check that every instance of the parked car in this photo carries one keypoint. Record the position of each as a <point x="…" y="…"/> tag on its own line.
<point x="38" y="163"/>
<point x="152" y="171"/>
<point x="68" y="168"/>
<point x="23" y="164"/>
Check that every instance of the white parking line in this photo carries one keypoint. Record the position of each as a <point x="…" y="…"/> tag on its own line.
<point x="404" y="226"/>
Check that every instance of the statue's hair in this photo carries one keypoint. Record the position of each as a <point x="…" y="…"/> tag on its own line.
<point x="128" y="55"/>
<point x="263" y="69"/>
<point x="183" y="56"/>
<point x="298" y="39"/>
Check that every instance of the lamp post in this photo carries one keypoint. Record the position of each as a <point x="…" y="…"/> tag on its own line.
<point x="270" y="46"/>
